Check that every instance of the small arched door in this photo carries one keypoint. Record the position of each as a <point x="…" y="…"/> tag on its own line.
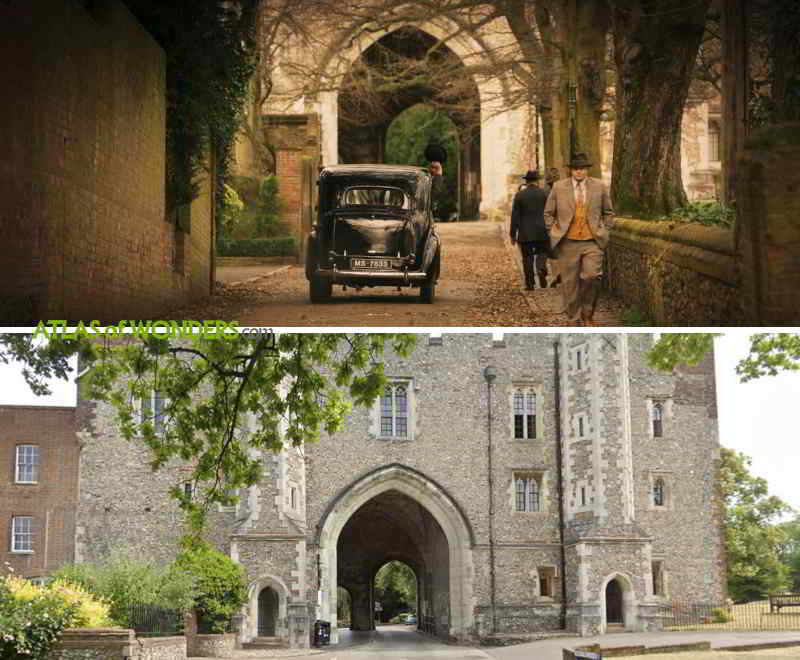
<point x="267" y="612"/>
<point x="614" y="603"/>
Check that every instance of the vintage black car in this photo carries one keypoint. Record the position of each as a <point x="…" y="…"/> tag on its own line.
<point x="374" y="228"/>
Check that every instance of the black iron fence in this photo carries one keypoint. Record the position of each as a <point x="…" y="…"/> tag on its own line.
<point x="756" y="615"/>
<point x="154" y="621"/>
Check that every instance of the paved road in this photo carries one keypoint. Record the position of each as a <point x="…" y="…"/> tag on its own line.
<point x="404" y="643"/>
<point x="480" y="286"/>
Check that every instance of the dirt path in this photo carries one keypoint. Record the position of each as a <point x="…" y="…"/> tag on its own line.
<point x="479" y="286"/>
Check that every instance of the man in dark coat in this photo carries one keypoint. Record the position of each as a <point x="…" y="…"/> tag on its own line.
<point x="528" y="229"/>
<point x="437" y="155"/>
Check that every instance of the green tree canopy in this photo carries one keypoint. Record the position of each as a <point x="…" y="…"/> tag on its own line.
<point x="396" y="589"/>
<point x="285" y="389"/>
<point x="789" y="551"/>
<point x="408" y="135"/>
<point x="752" y="538"/>
<point x="770" y="352"/>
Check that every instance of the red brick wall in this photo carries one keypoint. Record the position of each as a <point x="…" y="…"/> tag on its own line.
<point x="295" y="138"/>
<point x="52" y="501"/>
<point x="82" y="167"/>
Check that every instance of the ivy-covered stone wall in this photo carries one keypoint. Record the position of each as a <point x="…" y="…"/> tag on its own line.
<point x="676" y="274"/>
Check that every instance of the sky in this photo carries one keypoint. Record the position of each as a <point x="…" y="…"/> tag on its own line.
<point x="756" y="418"/>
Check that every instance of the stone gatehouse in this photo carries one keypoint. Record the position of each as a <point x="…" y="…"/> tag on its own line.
<point x="464" y="470"/>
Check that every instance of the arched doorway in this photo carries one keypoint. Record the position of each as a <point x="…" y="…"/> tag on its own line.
<point x="614" y="609"/>
<point x="618" y="604"/>
<point x="396" y="513"/>
<point x="267" y="612"/>
<point x="397" y="72"/>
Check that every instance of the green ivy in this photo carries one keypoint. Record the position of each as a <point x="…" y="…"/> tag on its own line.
<point x="210" y="54"/>
<point x="706" y="213"/>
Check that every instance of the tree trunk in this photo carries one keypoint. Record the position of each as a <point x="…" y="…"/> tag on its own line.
<point x="734" y="92"/>
<point x="654" y="54"/>
<point x="570" y="40"/>
<point x="593" y="22"/>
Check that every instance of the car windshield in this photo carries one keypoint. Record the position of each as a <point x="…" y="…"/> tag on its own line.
<point x="393" y="198"/>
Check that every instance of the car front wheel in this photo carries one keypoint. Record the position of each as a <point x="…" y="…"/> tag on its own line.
<point x="319" y="290"/>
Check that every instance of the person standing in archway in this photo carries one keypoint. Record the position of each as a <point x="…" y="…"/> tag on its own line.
<point x="578" y="216"/>
<point x="437" y="155"/>
<point x="528" y="229"/>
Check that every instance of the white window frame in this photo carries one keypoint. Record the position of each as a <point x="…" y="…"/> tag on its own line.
<point x="394" y="409"/>
<point x="15" y="520"/>
<point x="530" y="400"/>
<point x="34" y="465"/>
<point x="159" y="419"/>
<point x="657" y="415"/>
<point x="660" y="485"/>
<point x="665" y="402"/>
<point x="528" y="496"/>
<point x="667" y="479"/>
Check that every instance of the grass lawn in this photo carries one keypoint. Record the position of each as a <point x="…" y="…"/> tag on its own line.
<point x="747" y="616"/>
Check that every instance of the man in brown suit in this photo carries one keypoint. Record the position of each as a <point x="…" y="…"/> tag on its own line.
<point x="578" y="216"/>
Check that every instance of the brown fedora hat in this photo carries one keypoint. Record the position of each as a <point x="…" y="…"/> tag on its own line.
<point x="531" y="175"/>
<point x="579" y="162"/>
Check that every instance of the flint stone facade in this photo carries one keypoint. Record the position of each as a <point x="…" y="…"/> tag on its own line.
<point x="442" y="498"/>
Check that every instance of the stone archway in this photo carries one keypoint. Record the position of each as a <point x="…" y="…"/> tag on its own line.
<point x="406" y="502"/>
<point x="618" y="605"/>
<point x="366" y="111"/>
<point x="496" y="158"/>
<point x="267" y="598"/>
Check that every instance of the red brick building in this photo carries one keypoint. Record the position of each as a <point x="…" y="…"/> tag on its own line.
<point x="38" y="488"/>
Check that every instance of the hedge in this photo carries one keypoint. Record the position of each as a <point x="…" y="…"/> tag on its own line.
<point x="282" y="246"/>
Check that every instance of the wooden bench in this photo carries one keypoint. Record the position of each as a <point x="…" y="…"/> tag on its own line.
<point x="777" y="601"/>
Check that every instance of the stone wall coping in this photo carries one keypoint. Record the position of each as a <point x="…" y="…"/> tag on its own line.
<point x="109" y="635"/>
<point x="609" y="539"/>
<point x="716" y="239"/>
<point x="704" y="250"/>
<point x="213" y="636"/>
<point x="268" y="537"/>
<point x="151" y="642"/>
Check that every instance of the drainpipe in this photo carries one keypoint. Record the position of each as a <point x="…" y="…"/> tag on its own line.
<point x="489" y="374"/>
<point x="560" y="494"/>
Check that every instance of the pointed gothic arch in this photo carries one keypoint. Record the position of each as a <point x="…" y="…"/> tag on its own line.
<point x="628" y="606"/>
<point x="257" y="599"/>
<point x="434" y="499"/>
<point x="497" y="156"/>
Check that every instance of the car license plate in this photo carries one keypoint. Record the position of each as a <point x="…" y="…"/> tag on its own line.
<point x="371" y="264"/>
